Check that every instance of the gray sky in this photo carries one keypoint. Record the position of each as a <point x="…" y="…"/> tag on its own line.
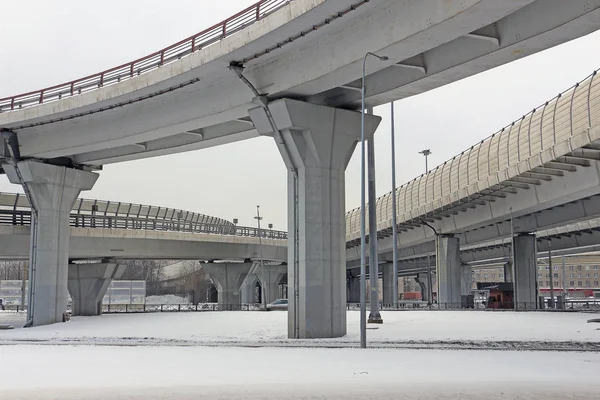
<point x="46" y="44"/>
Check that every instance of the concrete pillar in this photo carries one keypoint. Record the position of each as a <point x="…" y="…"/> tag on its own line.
<point x="466" y="279"/>
<point x="87" y="285"/>
<point x="423" y="281"/>
<point x="508" y="272"/>
<point x="228" y="279"/>
<point x="249" y="289"/>
<point x="53" y="191"/>
<point x="270" y="278"/>
<point x="525" y="279"/>
<point x="388" y="283"/>
<point x="353" y="289"/>
<point x="316" y="144"/>
<point x="448" y="271"/>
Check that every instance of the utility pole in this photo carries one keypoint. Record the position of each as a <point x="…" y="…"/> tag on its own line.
<point x="262" y="269"/>
<point x="394" y="221"/>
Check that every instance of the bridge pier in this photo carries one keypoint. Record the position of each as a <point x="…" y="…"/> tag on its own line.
<point x="53" y="190"/>
<point x="525" y="274"/>
<point x="353" y="288"/>
<point x="423" y="280"/>
<point x="228" y="279"/>
<point x="270" y="278"/>
<point x="316" y="143"/>
<point x="388" y="283"/>
<point x="249" y="289"/>
<point x="448" y="271"/>
<point x="88" y="283"/>
<point x="508" y="272"/>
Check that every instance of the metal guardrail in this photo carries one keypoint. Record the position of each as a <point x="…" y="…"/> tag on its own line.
<point x="150" y="62"/>
<point x="554" y="129"/>
<point x="570" y="305"/>
<point x="148" y="308"/>
<point x="17" y="217"/>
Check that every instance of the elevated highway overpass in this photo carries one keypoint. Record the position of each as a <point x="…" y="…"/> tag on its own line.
<point x="287" y="69"/>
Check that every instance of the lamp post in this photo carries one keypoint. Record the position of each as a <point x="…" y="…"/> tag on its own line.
<point x="363" y="241"/>
<point x="394" y="212"/>
<point x="426" y="153"/>
<point x="263" y="296"/>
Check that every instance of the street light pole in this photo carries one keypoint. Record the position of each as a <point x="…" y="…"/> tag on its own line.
<point x="551" y="302"/>
<point x="426" y="153"/>
<point x="262" y="269"/>
<point x="394" y="222"/>
<point x="363" y="241"/>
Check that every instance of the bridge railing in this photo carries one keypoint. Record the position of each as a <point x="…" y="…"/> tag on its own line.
<point x="553" y="130"/>
<point x="150" y="62"/>
<point x="20" y="217"/>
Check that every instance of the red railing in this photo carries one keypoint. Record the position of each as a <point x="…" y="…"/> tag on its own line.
<point x="152" y="61"/>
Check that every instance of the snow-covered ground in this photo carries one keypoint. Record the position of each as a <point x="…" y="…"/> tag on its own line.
<point x="111" y="372"/>
<point x="270" y="328"/>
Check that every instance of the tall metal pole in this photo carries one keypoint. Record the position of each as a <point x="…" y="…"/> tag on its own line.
<point x="262" y="269"/>
<point x="564" y="273"/>
<point x="363" y="241"/>
<point x="374" y="315"/>
<point x="394" y="212"/>
<point x="551" y="303"/>
<point x="512" y="261"/>
<point x="426" y="153"/>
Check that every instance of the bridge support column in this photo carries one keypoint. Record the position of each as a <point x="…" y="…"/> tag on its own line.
<point x="423" y="280"/>
<point x="352" y="287"/>
<point x="249" y="290"/>
<point x="228" y="279"/>
<point x="466" y="279"/>
<point x="525" y="279"/>
<point x="448" y="271"/>
<point x="53" y="191"/>
<point x="270" y="278"/>
<point x="316" y="144"/>
<point x="508" y="272"/>
<point x="88" y="283"/>
<point x="388" y="283"/>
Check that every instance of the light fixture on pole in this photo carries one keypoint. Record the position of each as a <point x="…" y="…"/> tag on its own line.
<point x="394" y="212"/>
<point x="263" y="296"/>
<point x="363" y="241"/>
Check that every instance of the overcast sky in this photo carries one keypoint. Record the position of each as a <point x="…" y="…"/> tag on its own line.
<point x="48" y="42"/>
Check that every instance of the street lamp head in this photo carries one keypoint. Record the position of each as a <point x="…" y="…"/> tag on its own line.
<point x="384" y="58"/>
<point x="425" y="152"/>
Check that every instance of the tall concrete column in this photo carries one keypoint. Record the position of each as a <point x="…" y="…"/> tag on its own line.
<point x="228" y="279"/>
<point x="249" y="289"/>
<point x="388" y="283"/>
<point x="525" y="279"/>
<point x="88" y="283"/>
<point x="353" y="289"/>
<point x="53" y="191"/>
<point x="316" y="144"/>
<point x="466" y="279"/>
<point x="423" y="280"/>
<point x="508" y="272"/>
<point x="270" y="278"/>
<point x="448" y="271"/>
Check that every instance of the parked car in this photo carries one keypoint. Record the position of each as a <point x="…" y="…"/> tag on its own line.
<point x="281" y="304"/>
